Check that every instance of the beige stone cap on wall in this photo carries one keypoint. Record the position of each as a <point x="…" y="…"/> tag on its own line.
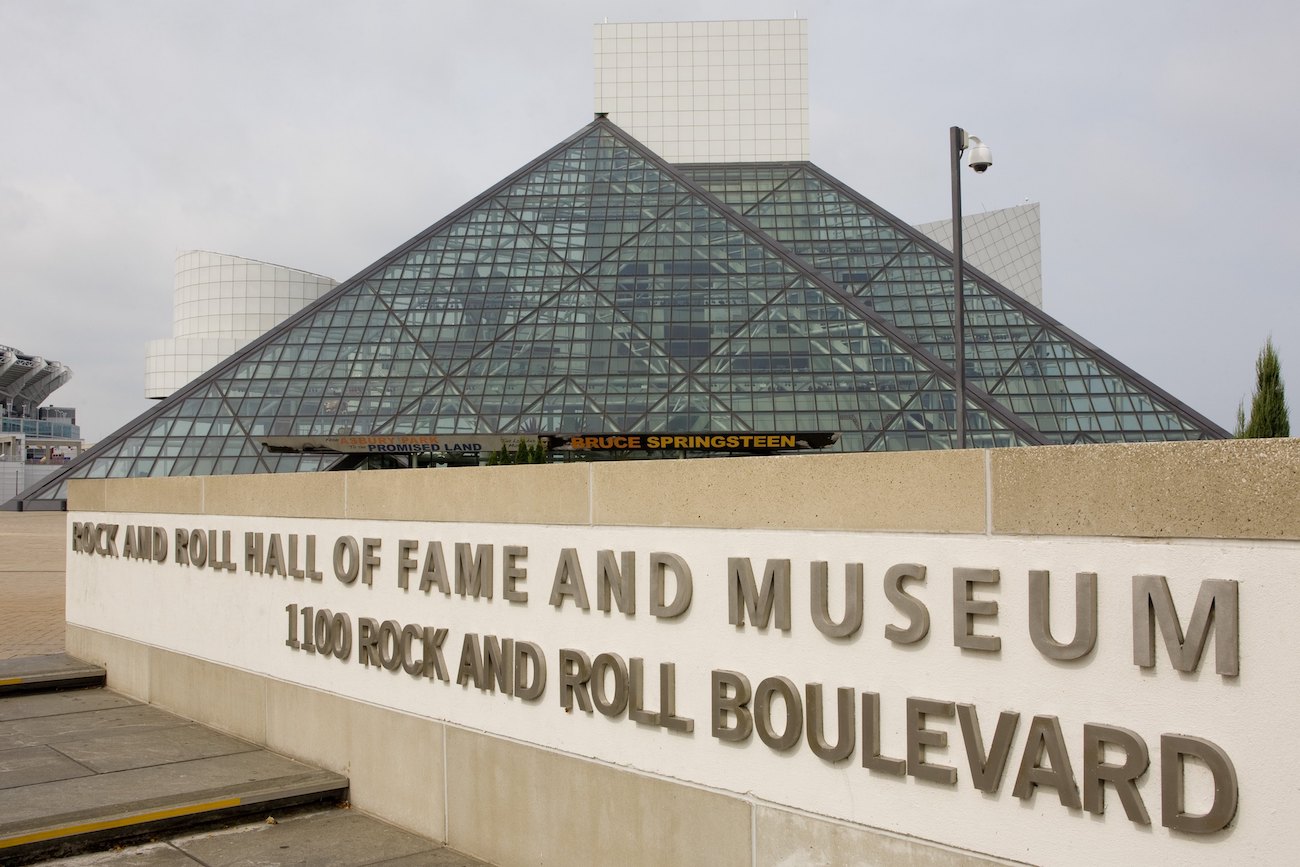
<point x="1233" y="489"/>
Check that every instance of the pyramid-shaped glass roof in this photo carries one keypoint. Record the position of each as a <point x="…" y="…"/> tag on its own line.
<point x="1066" y="389"/>
<point x="599" y="288"/>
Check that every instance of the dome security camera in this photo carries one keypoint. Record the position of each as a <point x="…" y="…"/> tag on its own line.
<point x="980" y="155"/>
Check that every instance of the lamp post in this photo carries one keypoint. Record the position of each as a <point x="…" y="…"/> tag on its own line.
<point x="980" y="160"/>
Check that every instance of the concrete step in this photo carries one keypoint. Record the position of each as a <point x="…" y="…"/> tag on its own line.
<point x="86" y="768"/>
<point x="41" y="673"/>
<point x="334" y="836"/>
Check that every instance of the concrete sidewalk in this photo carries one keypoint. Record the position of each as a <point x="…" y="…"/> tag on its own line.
<point x="319" y="838"/>
<point x="31" y="583"/>
<point x="85" y="768"/>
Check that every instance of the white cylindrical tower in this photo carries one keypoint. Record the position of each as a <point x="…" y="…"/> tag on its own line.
<point x="221" y="303"/>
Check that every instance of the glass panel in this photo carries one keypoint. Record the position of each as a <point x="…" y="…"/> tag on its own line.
<point x="888" y="268"/>
<point x="594" y="290"/>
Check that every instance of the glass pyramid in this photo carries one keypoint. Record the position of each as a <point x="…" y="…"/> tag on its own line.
<point x="600" y="289"/>
<point x="1066" y="389"/>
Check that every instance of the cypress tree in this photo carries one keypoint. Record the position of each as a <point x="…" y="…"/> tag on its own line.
<point x="1268" y="412"/>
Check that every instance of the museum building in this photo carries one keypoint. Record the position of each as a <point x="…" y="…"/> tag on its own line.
<point x="601" y="289"/>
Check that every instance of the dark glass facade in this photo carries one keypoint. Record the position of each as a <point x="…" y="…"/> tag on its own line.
<point x="601" y="289"/>
<point x="1066" y="389"/>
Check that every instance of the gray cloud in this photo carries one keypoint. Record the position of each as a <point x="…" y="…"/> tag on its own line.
<point x="1158" y="136"/>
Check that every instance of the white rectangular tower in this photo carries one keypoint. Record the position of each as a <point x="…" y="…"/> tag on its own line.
<point x="708" y="91"/>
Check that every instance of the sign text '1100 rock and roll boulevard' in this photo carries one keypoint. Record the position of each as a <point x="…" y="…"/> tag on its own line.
<point x="835" y="718"/>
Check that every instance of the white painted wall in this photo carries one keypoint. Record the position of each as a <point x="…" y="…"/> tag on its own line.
<point x="239" y="619"/>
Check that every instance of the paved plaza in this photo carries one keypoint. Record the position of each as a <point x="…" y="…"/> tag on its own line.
<point x="31" y="583"/>
<point x="71" y="758"/>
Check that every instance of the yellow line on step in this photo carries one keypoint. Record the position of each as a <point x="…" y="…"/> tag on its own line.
<point x="120" y="822"/>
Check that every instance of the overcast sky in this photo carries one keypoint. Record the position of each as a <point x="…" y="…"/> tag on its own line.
<point x="1162" y="138"/>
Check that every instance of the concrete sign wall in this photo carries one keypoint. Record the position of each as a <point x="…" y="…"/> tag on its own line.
<point x="1051" y="697"/>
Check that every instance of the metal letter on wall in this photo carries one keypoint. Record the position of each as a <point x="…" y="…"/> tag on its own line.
<point x="792" y="728"/>
<point x="661" y="563"/>
<point x="743" y="594"/>
<point x="735" y="704"/>
<point x="1045" y="738"/>
<point x="1123" y="776"/>
<point x="1085" y="616"/>
<point x="918" y="615"/>
<point x="852" y="622"/>
<point x="1172" y="750"/>
<point x="919" y="737"/>
<point x="1215" y="603"/>
<point x="847" y="734"/>
<point x="987" y="769"/>
<point x="965" y="608"/>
